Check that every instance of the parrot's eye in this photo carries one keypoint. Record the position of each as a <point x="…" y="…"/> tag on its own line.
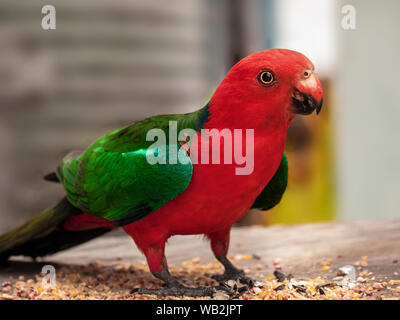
<point x="307" y="74"/>
<point x="266" y="77"/>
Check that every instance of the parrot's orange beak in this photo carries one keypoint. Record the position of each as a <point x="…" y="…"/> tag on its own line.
<point x="307" y="95"/>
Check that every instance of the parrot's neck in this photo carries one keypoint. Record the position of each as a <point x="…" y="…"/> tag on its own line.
<point x="213" y="116"/>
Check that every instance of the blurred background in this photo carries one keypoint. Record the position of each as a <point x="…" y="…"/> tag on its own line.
<point x="110" y="63"/>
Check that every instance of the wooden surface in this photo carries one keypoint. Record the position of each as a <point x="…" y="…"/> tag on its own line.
<point x="300" y="248"/>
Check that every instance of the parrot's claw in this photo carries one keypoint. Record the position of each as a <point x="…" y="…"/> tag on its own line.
<point x="180" y="290"/>
<point x="236" y="275"/>
<point x="232" y="273"/>
<point x="174" y="288"/>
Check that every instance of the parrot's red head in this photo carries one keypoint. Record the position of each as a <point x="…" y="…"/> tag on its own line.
<point x="266" y="88"/>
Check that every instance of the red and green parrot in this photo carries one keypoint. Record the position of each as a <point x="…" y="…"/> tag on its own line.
<point x="112" y="185"/>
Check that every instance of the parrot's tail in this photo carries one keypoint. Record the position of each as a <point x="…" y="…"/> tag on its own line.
<point x="44" y="234"/>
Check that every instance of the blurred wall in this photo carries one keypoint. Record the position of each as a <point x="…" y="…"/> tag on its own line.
<point x="108" y="63"/>
<point x="368" y="112"/>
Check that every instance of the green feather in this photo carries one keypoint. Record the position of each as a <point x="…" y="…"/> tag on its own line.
<point x="273" y="192"/>
<point x="113" y="180"/>
<point x="38" y="225"/>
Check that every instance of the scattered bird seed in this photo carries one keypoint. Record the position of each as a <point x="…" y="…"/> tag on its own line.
<point x="281" y="287"/>
<point x="221" y="295"/>
<point x="257" y="290"/>
<point x="280" y="275"/>
<point x="320" y="290"/>
<point x="96" y="281"/>
<point x="298" y="285"/>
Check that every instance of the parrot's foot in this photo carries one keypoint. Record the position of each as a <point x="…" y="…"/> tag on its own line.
<point x="232" y="273"/>
<point x="175" y="288"/>
<point x="181" y="290"/>
<point x="237" y="275"/>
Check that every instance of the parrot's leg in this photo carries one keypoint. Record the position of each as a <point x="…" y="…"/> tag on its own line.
<point x="219" y="245"/>
<point x="159" y="268"/>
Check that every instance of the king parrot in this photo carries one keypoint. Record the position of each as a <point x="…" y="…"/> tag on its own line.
<point x="113" y="185"/>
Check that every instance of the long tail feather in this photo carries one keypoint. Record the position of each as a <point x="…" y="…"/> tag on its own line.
<point x="39" y="226"/>
<point x="57" y="240"/>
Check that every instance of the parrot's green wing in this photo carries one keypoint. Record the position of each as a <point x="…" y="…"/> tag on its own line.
<point x="113" y="178"/>
<point x="273" y="192"/>
<point x="123" y="186"/>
